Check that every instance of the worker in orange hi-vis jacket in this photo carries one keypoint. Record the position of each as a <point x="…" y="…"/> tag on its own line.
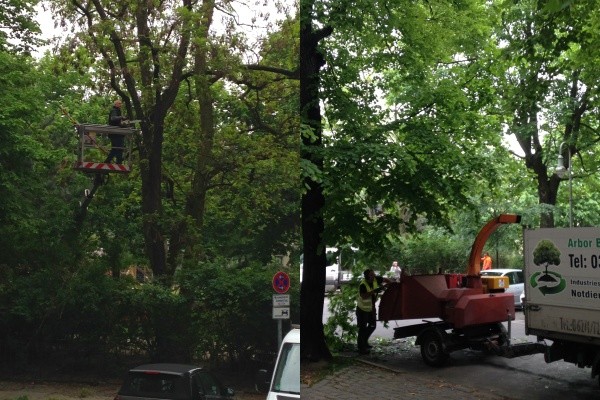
<point x="487" y="261"/>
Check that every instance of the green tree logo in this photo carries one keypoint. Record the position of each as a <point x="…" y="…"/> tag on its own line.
<point x="550" y="282"/>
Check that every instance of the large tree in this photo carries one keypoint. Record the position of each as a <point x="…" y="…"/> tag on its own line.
<point x="143" y="47"/>
<point x="548" y="87"/>
<point x="311" y="296"/>
<point x="408" y="128"/>
<point x="147" y="51"/>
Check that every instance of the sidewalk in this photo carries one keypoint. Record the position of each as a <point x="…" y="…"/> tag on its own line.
<point x="390" y="373"/>
<point x="366" y="379"/>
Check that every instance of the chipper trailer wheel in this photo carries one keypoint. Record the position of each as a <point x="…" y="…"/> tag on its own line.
<point x="432" y="349"/>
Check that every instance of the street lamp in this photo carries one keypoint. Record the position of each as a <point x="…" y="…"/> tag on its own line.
<point x="560" y="171"/>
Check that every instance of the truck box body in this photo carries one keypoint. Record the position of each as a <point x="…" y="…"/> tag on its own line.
<point x="562" y="284"/>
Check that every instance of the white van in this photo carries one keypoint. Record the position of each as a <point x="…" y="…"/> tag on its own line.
<point x="285" y="383"/>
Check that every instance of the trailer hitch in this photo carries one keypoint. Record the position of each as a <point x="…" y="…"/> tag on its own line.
<point x="522" y="349"/>
<point x="517" y="350"/>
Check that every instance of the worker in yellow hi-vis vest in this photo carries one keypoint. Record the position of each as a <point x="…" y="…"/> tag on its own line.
<point x="366" y="316"/>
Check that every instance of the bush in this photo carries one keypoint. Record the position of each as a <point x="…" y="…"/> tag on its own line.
<point x="231" y="310"/>
<point x="216" y="312"/>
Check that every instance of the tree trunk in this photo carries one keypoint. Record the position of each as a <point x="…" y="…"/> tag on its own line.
<point x="151" y="174"/>
<point x="312" y="294"/>
<point x="196" y="199"/>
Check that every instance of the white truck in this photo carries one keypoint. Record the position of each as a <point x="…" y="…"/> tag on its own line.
<point x="562" y="293"/>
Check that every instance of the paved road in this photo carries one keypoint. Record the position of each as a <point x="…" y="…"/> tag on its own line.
<point x="527" y="377"/>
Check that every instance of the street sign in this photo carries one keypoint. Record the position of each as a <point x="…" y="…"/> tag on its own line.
<point x="281" y="282"/>
<point x="281" y="313"/>
<point x="281" y="300"/>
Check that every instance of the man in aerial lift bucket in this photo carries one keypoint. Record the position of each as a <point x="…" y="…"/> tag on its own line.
<point x="117" y="141"/>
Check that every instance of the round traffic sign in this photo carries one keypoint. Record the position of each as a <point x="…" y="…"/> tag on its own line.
<point x="281" y="282"/>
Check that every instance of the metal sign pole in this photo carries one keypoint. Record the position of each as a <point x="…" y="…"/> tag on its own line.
<point x="279" y="333"/>
<point x="281" y="302"/>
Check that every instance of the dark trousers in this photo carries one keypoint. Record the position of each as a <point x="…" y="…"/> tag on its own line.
<point x="366" y="322"/>
<point x="117" y="143"/>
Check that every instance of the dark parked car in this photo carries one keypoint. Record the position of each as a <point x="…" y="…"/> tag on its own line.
<point x="172" y="382"/>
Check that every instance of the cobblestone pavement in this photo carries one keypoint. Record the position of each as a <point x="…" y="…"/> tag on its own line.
<point x="368" y="380"/>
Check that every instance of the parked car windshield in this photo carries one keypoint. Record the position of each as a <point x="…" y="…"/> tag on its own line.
<point x="287" y="376"/>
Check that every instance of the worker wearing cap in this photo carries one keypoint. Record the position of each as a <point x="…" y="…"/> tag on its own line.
<point x="366" y="316"/>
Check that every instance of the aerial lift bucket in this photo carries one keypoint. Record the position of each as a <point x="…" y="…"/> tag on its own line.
<point x="91" y="151"/>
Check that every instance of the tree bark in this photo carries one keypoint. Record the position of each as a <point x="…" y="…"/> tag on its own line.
<point x="312" y="294"/>
<point x="151" y="174"/>
<point x="196" y="199"/>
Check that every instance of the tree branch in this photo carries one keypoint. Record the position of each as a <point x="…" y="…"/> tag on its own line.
<point x="290" y="74"/>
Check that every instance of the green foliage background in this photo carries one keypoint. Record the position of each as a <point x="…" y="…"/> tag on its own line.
<point x="65" y="299"/>
<point x="418" y="99"/>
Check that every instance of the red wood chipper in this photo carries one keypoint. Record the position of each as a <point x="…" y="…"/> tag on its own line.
<point x="465" y="311"/>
